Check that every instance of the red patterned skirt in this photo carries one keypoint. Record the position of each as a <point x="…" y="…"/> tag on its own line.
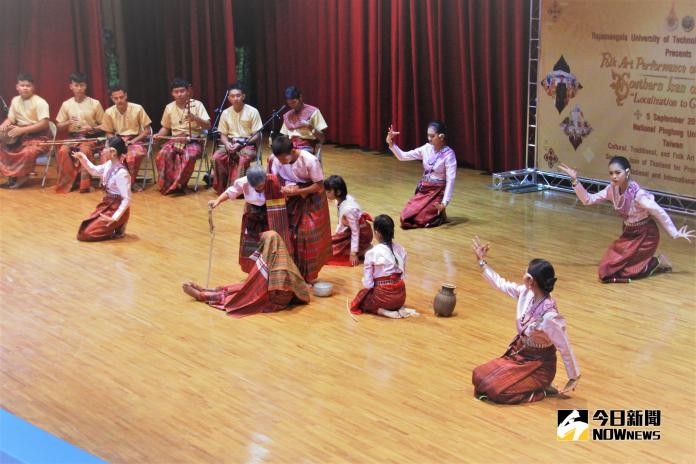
<point x="20" y="160"/>
<point x="310" y="231"/>
<point x="631" y="256"/>
<point x="304" y="144"/>
<point x="254" y="223"/>
<point x="388" y="293"/>
<point x="519" y="376"/>
<point x="420" y="211"/>
<point x="340" y="243"/>
<point x="93" y="229"/>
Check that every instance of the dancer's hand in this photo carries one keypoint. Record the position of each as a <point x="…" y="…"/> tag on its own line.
<point x="212" y="204"/>
<point x="440" y="207"/>
<point x="106" y="218"/>
<point x="686" y="234"/>
<point x="391" y="133"/>
<point x="79" y="155"/>
<point x="573" y="173"/>
<point x="354" y="260"/>
<point x="570" y="386"/>
<point x="480" y="250"/>
<point x="289" y="190"/>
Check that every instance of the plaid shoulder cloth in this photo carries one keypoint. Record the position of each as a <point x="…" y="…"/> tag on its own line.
<point x="277" y="211"/>
<point x="275" y="263"/>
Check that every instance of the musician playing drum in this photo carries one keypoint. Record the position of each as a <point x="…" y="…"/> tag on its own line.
<point x="80" y="116"/>
<point x="185" y="118"/>
<point x="26" y="122"/>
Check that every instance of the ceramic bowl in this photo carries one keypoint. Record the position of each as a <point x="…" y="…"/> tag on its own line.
<point x="322" y="288"/>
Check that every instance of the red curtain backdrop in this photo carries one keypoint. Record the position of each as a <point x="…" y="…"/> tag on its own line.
<point x="50" y="40"/>
<point x="365" y="64"/>
<point x="164" y="39"/>
<point x="370" y="63"/>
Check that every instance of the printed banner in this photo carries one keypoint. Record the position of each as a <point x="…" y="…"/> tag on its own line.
<point x="619" y="78"/>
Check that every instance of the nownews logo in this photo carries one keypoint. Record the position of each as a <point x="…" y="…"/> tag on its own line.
<point x="618" y="424"/>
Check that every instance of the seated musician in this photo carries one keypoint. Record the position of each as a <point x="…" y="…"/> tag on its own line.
<point x="130" y="122"/>
<point x="26" y="122"/>
<point x="237" y="150"/>
<point x="303" y="123"/>
<point x="185" y="119"/>
<point x="80" y="116"/>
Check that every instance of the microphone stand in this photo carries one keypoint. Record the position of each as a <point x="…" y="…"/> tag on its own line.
<point x="4" y="110"/>
<point x="274" y="115"/>
<point x="214" y="134"/>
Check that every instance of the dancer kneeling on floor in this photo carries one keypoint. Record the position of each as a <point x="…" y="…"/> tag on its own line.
<point x="525" y="372"/>
<point x="385" y="267"/>
<point x="353" y="235"/>
<point x="111" y="215"/>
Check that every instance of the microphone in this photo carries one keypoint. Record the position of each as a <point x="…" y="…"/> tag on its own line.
<point x="277" y="112"/>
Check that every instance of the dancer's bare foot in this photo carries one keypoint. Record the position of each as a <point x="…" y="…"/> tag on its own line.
<point x="391" y="314"/>
<point x="405" y="312"/>
<point x="197" y="287"/>
<point x="189" y="290"/>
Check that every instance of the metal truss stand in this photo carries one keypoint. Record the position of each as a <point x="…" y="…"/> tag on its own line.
<point x="532" y="179"/>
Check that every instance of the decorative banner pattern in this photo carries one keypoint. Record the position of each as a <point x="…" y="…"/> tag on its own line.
<point x="619" y="78"/>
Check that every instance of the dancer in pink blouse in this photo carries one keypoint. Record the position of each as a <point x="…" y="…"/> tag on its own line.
<point x="631" y="256"/>
<point x="427" y="207"/>
<point x="110" y="217"/>
<point x="383" y="276"/>
<point x="525" y="372"/>
<point x="353" y="235"/>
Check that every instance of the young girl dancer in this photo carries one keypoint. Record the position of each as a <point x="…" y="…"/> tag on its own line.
<point x="385" y="266"/>
<point x="631" y="256"/>
<point x="353" y="235"/>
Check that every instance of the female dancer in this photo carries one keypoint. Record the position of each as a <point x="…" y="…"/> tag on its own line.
<point x="525" y="372"/>
<point x="353" y="235"/>
<point x="631" y="256"/>
<point x="110" y="217"/>
<point x="273" y="283"/>
<point x="385" y="266"/>
<point x="427" y="207"/>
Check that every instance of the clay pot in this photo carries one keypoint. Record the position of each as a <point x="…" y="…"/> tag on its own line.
<point x="445" y="301"/>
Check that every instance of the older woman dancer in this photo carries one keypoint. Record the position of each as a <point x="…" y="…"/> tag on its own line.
<point x="273" y="284"/>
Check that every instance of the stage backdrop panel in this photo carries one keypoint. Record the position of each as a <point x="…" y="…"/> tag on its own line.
<point x="619" y="78"/>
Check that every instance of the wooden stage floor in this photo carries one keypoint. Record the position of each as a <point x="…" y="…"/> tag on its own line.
<point x="101" y="347"/>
